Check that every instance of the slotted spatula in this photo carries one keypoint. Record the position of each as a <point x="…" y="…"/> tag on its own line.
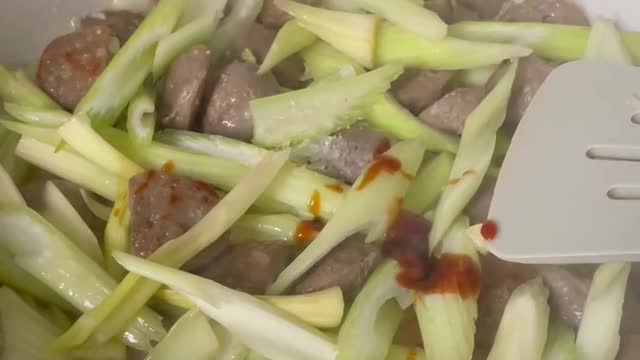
<point x="569" y="187"/>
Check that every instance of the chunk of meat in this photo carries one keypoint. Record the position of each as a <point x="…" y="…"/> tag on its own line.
<point x="250" y="267"/>
<point x="452" y="11"/>
<point x="450" y="112"/>
<point x="568" y="289"/>
<point x="478" y="207"/>
<point x="228" y="112"/>
<point x="343" y="155"/>
<point x="348" y="266"/>
<point x="184" y="89"/>
<point x="486" y="9"/>
<point x="549" y="11"/>
<point x="417" y="89"/>
<point x="165" y="206"/>
<point x="71" y="63"/>
<point x="122" y="23"/>
<point x="272" y="16"/>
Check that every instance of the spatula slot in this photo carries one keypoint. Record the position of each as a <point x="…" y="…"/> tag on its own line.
<point x="635" y="118"/>
<point x="614" y="152"/>
<point x="624" y="193"/>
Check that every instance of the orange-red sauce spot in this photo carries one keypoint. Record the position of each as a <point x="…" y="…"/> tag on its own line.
<point x="412" y="354"/>
<point x="314" y="204"/>
<point x="454" y="181"/>
<point x="383" y="163"/>
<point x="306" y="231"/>
<point x="336" y="187"/>
<point x="489" y="230"/>
<point x="448" y="274"/>
<point x="469" y="173"/>
<point x="145" y="184"/>
<point x="168" y="167"/>
<point x="116" y="212"/>
<point x="382" y="147"/>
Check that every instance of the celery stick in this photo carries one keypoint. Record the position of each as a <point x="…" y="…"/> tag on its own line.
<point x="191" y="337"/>
<point x="352" y="34"/>
<point x="372" y="321"/>
<point x="36" y="115"/>
<point x="475" y="77"/>
<point x="410" y="15"/>
<point x="290" y="39"/>
<point x="70" y="166"/>
<point x="398" y="45"/>
<point x="112" y="350"/>
<point x="561" y="343"/>
<point x="428" y="184"/>
<point x="198" y="8"/>
<point x="262" y="327"/>
<point x="370" y="206"/>
<point x="319" y="110"/>
<point x="523" y="329"/>
<point x="198" y="31"/>
<point x="116" y="233"/>
<point x="46" y="135"/>
<point x="112" y="315"/>
<point x="605" y="44"/>
<point x="225" y="39"/>
<point x="126" y="72"/>
<point x="474" y="155"/>
<point x="230" y="347"/>
<point x="598" y="335"/>
<point x="9" y="193"/>
<point x="97" y="208"/>
<point x="24" y="333"/>
<point x="341" y="5"/>
<point x="17" y="168"/>
<point x="324" y="61"/>
<point x="141" y="117"/>
<point x="16" y="87"/>
<point x="44" y="252"/>
<point x="279" y="227"/>
<point x="294" y="187"/>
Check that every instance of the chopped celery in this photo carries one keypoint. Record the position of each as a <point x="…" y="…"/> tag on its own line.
<point x="139" y="6"/>
<point x="16" y="87"/>
<point x="408" y="14"/>
<point x="24" y="333"/>
<point x="70" y="166"/>
<point x="262" y="327"/>
<point x="352" y="34"/>
<point x="230" y="347"/>
<point x="398" y="45"/>
<point x="290" y="39"/>
<point x="320" y="309"/>
<point x="522" y="332"/>
<point x="116" y="233"/>
<point x="476" y="77"/>
<point x="17" y="168"/>
<point x="605" y="44"/>
<point x="44" y="252"/>
<point x="370" y="206"/>
<point x="278" y="227"/>
<point x="128" y="69"/>
<point x="198" y="31"/>
<point x="447" y="321"/>
<point x="119" y="309"/>
<point x="598" y="335"/>
<point x="239" y="20"/>
<point x="294" y="187"/>
<point x="9" y="193"/>
<point x="318" y="110"/>
<point x="141" y="116"/>
<point x="112" y="350"/>
<point x="97" y="208"/>
<point x="324" y="61"/>
<point x="552" y="41"/>
<point x="474" y="155"/>
<point x="561" y="343"/>
<point x="372" y="321"/>
<point x="197" y="8"/>
<point x="341" y="5"/>
<point x="428" y="184"/>
<point x="79" y="134"/>
<point x="191" y="337"/>
<point x="46" y="135"/>
<point x="475" y="234"/>
<point x="386" y="115"/>
<point x="36" y="115"/>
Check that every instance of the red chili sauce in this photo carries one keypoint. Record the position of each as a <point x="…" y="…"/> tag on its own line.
<point x="306" y="231"/>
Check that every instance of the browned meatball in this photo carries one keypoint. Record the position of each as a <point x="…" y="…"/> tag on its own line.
<point x="122" y="23"/>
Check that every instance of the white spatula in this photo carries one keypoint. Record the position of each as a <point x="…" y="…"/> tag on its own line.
<point x="569" y="188"/>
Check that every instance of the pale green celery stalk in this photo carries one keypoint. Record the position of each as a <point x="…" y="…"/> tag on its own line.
<point x="79" y="134"/>
<point x="261" y="326"/>
<point x="112" y="350"/>
<point x="397" y="352"/>
<point x="9" y="193"/>
<point x="555" y="42"/>
<point x="198" y="31"/>
<point x="43" y="134"/>
<point x="225" y="42"/>
<point x="290" y="39"/>
<point x="112" y="315"/>
<point x="97" y="208"/>
<point x="474" y="155"/>
<point x="605" y="44"/>
<point x="321" y="309"/>
<point x="369" y="206"/>
<point x="447" y="321"/>
<point x="191" y="337"/>
<point x="70" y="166"/>
<point x="341" y="5"/>
<point x="13" y="275"/>
<point x="36" y="115"/>
<point x="116" y="233"/>
<point x="17" y="168"/>
<point x="230" y="347"/>
<point x="16" y="87"/>
<point x="44" y="252"/>
<point x="428" y="184"/>
<point x="522" y="332"/>
<point x="214" y="145"/>
<point x="128" y="69"/>
<point x="254" y="227"/>
<point x="324" y="61"/>
<point x="141" y="116"/>
<point x="408" y="14"/>
<point x="372" y="320"/>
<point x="396" y="45"/>
<point x="293" y="188"/>
<point x="503" y="141"/>
<point x="24" y="333"/>
<point x="197" y="8"/>
<point x="319" y="110"/>
<point x="561" y="343"/>
<point x="139" y="6"/>
<point x="598" y="335"/>
<point x="352" y="34"/>
<point x="386" y="115"/>
<point x="476" y="77"/>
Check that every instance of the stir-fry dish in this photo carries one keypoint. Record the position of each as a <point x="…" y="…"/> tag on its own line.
<point x="290" y="180"/>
